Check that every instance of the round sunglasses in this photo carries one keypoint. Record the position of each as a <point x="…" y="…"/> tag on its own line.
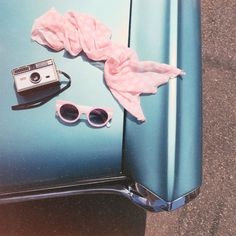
<point x="71" y="113"/>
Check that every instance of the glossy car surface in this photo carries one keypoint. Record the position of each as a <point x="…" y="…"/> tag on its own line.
<point x="157" y="164"/>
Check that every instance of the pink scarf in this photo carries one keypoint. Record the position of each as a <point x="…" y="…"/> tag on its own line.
<point x="125" y="75"/>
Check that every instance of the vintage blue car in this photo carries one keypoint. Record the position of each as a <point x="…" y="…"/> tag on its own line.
<point x="155" y="164"/>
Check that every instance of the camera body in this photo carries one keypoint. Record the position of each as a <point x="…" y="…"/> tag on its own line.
<point x="35" y="75"/>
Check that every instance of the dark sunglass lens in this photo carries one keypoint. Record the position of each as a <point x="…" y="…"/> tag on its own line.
<point x="98" y="116"/>
<point x="69" y="112"/>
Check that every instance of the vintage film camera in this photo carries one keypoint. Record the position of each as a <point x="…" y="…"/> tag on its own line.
<point x="35" y="75"/>
<point x="40" y="77"/>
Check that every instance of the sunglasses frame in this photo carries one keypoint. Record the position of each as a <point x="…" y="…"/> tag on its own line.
<point x="83" y="110"/>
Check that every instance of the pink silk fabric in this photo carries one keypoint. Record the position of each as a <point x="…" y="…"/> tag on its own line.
<point x="126" y="76"/>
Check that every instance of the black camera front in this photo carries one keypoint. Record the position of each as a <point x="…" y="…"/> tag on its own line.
<point x="35" y="77"/>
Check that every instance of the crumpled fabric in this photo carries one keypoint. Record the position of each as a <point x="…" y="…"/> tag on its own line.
<point x="125" y="75"/>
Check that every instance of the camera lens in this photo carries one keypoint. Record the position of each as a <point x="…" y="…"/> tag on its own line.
<point x="35" y="77"/>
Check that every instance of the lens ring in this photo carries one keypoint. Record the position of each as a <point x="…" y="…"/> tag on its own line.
<point x="35" y="77"/>
<point x="69" y="112"/>
<point x="98" y="117"/>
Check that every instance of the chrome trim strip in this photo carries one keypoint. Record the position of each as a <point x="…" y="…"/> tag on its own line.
<point x="154" y="203"/>
<point x="31" y="190"/>
<point x="172" y="100"/>
<point x="135" y="192"/>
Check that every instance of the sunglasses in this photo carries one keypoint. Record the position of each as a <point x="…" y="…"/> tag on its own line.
<point x="71" y="113"/>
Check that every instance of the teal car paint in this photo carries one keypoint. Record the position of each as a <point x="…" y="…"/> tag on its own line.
<point x="155" y="164"/>
<point x="35" y="147"/>
<point x="164" y="157"/>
